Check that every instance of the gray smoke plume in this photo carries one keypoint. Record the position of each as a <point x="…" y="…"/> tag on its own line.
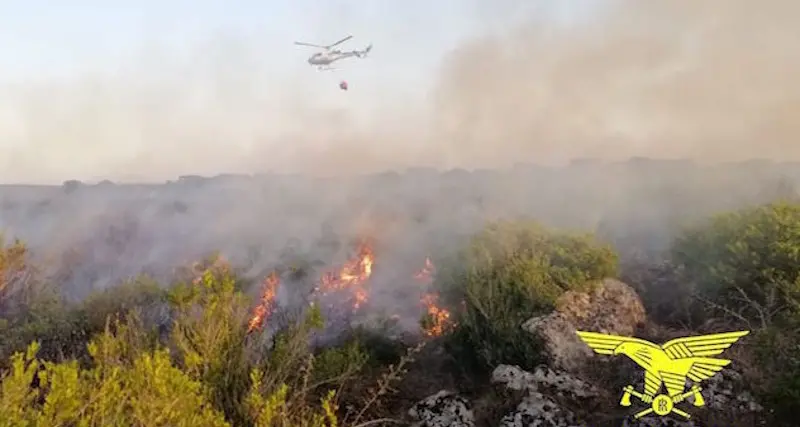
<point x="706" y="80"/>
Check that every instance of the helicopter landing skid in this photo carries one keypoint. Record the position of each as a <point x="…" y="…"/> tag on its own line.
<point x="326" y="68"/>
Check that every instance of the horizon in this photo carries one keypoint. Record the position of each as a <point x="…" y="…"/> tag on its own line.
<point x="577" y="162"/>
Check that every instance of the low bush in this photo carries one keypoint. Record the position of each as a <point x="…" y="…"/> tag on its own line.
<point x="17" y="279"/>
<point x="30" y="308"/>
<point x="776" y="375"/>
<point x="208" y="369"/>
<point x="745" y="264"/>
<point x="744" y="267"/>
<point x="508" y="273"/>
<point x="63" y="328"/>
<point x="125" y="386"/>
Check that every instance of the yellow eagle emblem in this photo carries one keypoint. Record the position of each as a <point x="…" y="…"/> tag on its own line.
<point x="669" y="364"/>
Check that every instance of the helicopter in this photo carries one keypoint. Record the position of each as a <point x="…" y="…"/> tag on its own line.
<point x="323" y="60"/>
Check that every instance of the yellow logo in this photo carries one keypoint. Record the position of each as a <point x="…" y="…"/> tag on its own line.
<point x="669" y="364"/>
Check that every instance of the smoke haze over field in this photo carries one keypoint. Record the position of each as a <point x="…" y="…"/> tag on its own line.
<point x="712" y="80"/>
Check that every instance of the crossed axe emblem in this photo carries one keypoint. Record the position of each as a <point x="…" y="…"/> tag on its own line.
<point x="661" y="404"/>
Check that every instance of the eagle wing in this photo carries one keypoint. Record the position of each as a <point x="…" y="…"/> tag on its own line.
<point x="652" y="383"/>
<point x="700" y="348"/>
<point x="606" y="344"/>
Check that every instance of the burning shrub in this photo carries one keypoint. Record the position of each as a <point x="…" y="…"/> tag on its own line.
<point x="257" y="383"/>
<point x="216" y="372"/>
<point x="508" y="273"/>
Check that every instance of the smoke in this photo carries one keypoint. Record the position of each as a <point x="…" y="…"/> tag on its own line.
<point x="711" y="80"/>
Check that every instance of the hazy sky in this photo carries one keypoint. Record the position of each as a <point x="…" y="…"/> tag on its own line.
<point x="46" y="38"/>
<point x="152" y="89"/>
<point x="87" y="49"/>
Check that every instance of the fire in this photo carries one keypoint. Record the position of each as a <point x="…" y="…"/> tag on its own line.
<point x="265" y="306"/>
<point x="438" y="317"/>
<point x="351" y="280"/>
<point x="353" y="276"/>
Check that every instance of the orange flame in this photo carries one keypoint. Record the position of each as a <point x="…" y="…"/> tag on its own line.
<point x="438" y="317"/>
<point x="352" y="276"/>
<point x="265" y="306"/>
<point x="351" y="279"/>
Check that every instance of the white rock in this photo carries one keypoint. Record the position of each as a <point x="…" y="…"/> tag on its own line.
<point x="443" y="409"/>
<point x="539" y="411"/>
<point x="542" y="378"/>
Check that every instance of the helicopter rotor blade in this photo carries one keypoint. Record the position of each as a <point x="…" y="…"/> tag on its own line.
<point x="310" y="44"/>
<point x="340" y="41"/>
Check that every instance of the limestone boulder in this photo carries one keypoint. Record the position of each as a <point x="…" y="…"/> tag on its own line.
<point x="611" y="307"/>
<point x="443" y="409"/>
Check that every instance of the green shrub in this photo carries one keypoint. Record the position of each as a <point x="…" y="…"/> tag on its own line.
<point x="207" y="371"/>
<point x="31" y="308"/>
<point x="13" y="266"/>
<point x="777" y="376"/>
<point x="62" y="328"/>
<point x="336" y="363"/>
<point x="57" y="327"/>
<point x="19" y="284"/>
<point x="746" y="263"/>
<point x="134" y="295"/>
<point x="374" y="342"/>
<point x="125" y="386"/>
<point x="209" y="335"/>
<point x="745" y="266"/>
<point x="508" y="273"/>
